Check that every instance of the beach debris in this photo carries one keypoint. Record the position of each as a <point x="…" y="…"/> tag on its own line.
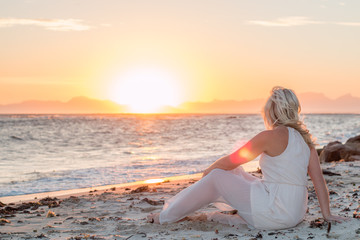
<point x="329" y="227"/>
<point x="84" y="236"/>
<point x="48" y="227"/>
<point x="139" y="233"/>
<point x="216" y="231"/>
<point x="356" y="214"/>
<point x="141" y="189"/>
<point x="72" y="199"/>
<point x="50" y="202"/>
<point x="332" y="192"/>
<point x="153" y="202"/>
<point x="41" y="236"/>
<point x="22" y="207"/>
<point x="230" y="235"/>
<point x="347" y="209"/>
<point x="7" y="210"/>
<point x="318" y="223"/>
<point x="50" y="214"/>
<point x="3" y="221"/>
<point x="16" y="138"/>
<point x="329" y="173"/>
<point x="113" y="188"/>
<point x="93" y="219"/>
<point x="115" y="218"/>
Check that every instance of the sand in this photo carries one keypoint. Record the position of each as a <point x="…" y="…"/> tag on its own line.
<point x="119" y="212"/>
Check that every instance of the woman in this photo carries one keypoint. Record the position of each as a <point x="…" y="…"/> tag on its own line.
<point x="279" y="199"/>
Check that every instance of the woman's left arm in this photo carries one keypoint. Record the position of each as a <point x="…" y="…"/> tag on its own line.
<point x="246" y="153"/>
<point x="322" y="193"/>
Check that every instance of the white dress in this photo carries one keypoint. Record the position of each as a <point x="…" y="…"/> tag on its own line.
<point x="277" y="201"/>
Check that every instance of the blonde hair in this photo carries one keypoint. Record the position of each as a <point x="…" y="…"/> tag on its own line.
<point x="283" y="109"/>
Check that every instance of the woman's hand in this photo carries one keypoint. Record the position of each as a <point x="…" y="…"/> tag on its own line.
<point x="335" y="218"/>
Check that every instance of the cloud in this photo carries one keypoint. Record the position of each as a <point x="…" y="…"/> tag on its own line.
<point x="348" y="23"/>
<point x="49" y="24"/>
<point x="285" y="22"/>
<point x="297" y="21"/>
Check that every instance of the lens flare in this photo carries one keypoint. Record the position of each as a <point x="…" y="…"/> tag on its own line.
<point x="241" y="155"/>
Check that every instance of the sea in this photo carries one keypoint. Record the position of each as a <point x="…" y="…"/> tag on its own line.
<point x="41" y="153"/>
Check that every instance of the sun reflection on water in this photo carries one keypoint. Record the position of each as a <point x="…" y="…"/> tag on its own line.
<point x="157" y="180"/>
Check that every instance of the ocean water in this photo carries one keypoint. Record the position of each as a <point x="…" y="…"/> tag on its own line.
<point x="40" y="153"/>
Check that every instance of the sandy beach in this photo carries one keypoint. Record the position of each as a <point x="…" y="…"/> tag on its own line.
<point x="119" y="212"/>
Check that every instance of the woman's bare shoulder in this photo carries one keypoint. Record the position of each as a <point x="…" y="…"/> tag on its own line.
<point x="276" y="133"/>
<point x="275" y="140"/>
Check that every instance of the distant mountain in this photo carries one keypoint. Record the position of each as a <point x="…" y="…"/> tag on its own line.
<point x="310" y="102"/>
<point x="318" y="103"/>
<point x="75" y="105"/>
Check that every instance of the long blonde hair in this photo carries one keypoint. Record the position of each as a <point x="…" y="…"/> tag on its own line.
<point x="283" y="109"/>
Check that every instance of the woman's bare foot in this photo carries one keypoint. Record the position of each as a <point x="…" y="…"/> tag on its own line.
<point x="153" y="218"/>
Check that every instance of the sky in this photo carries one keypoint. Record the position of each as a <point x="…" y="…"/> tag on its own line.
<point x="190" y="50"/>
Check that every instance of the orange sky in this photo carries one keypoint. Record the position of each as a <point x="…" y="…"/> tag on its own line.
<point x="207" y="49"/>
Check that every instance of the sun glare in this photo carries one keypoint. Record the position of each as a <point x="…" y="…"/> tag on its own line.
<point x="146" y="90"/>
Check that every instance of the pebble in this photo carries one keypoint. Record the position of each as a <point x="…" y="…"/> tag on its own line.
<point x="141" y="189"/>
<point x="3" y="220"/>
<point x="50" y="214"/>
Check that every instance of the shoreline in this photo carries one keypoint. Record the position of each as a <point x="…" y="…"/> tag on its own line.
<point x="249" y="167"/>
<point x="78" y="191"/>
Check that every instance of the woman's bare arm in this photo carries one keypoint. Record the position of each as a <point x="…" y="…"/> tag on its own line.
<point x="246" y="153"/>
<point x="322" y="193"/>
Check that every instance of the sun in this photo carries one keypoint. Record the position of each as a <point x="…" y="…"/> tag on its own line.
<point x="146" y="90"/>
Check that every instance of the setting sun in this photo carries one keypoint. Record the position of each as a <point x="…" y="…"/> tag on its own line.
<point x="146" y="90"/>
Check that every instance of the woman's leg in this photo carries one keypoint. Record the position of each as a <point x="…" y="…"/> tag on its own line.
<point x="234" y="189"/>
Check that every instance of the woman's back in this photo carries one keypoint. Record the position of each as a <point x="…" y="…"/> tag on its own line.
<point x="285" y="181"/>
<point x="290" y="166"/>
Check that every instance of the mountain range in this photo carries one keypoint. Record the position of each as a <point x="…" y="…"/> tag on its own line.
<point x="311" y="103"/>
